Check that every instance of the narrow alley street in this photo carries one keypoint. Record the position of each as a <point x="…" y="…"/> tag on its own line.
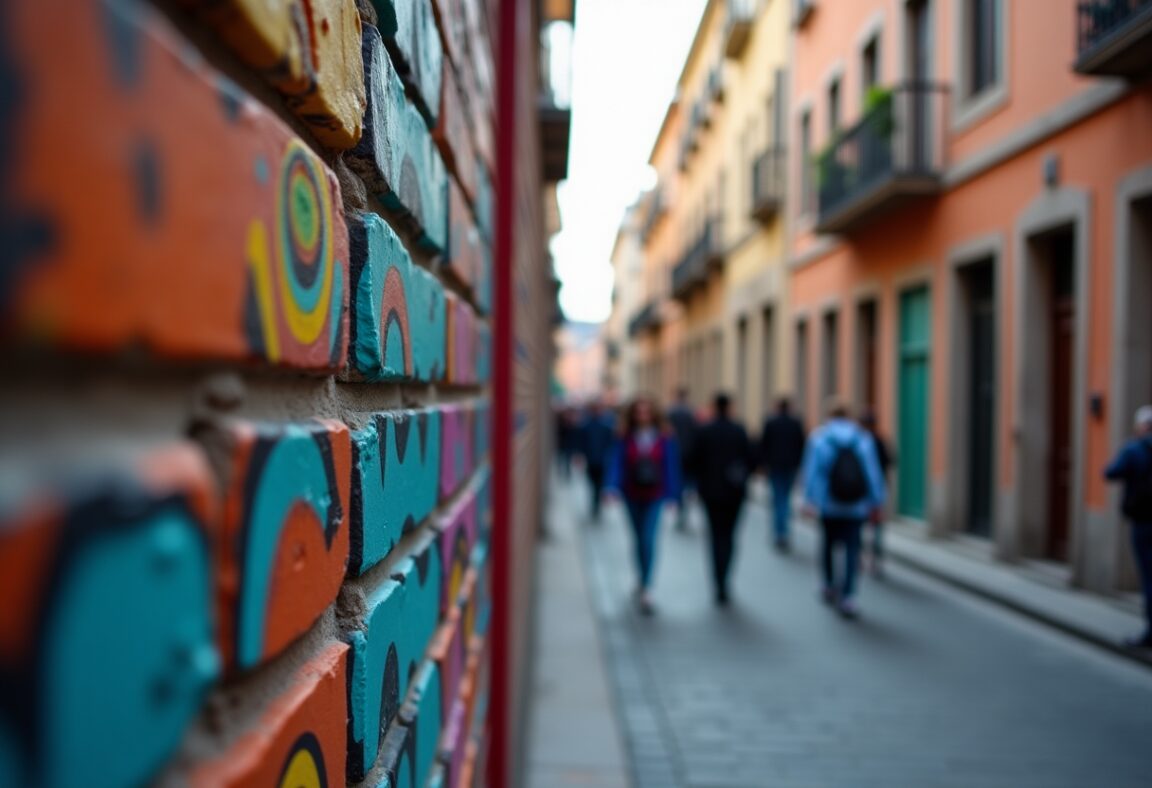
<point x="931" y="687"/>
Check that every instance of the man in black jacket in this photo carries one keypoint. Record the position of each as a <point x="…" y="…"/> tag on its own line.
<point x="722" y="459"/>
<point x="782" y="452"/>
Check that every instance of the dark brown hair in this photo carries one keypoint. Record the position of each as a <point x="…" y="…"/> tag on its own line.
<point x="628" y="423"/>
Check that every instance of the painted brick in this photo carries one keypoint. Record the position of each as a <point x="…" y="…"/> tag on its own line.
<point x="484" y="202"/>
<point x="395" y="477"/>
<point x="457" y="453"/>
<point x="482" y="430"/>
<point x="465" y="259"/>
<point x="463" y="336"/>
<point x="483" y="353"/>
<point x="457" y="538"/>
<point x="309" y="50"/>
<point x="399" y="312"/>
<point x="480" y="67"/>
<point x="140" y="258"/>
<point x="454" y="742"/>
<point x="408" y="28"/>
<point x="451" y="24"/>
<point x="106" y="630"/>
<point x="401" y="620"/>
<point x="409" y="750"/>
<point x="396" y="157"/>
<point x="449" y="651"/>
<point x="285" y="544"/>
<point x="452" y="134"/>
<point x="299" y="740"/>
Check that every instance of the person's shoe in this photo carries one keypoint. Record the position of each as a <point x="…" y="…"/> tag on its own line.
<point x="783" y="545"/>
<point x="1144" y="641"/>
<point x="848" y="609"/>
<point x="877" y="570"/>
<point x="722" y="598"/>
<point x="829" y="596"/>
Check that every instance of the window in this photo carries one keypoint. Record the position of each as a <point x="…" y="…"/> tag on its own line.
<point x="776" y="107"/>
<point x="834" y="108"/>
<point x="801" y="367"/>
<point x="982" y="47"/>
<point x="805" y="161"/>
<point x="870" y="66"/>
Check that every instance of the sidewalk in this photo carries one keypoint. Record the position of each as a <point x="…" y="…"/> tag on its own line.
<point x="574" y="737"/>
<point x="1100" y="620"/>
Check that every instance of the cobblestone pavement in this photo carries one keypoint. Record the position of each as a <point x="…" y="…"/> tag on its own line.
<point x="931" y="687"/>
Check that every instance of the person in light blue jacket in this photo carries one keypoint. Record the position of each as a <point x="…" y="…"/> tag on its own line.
<point x="843" y="486"/>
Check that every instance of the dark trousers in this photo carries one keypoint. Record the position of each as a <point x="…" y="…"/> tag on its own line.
<point x="1142" y="548"/>
<point x="722" y="517"/>
<point x="839" y="531"/>
<point x="596" y="479"/>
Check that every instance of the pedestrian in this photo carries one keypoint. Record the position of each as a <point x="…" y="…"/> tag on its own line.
<point x="781" y="452"/>
<point x="645" y="473"/>
<point x="567" y="438"/>
<point x="1133" y="467"/>
<point x="875" y="548"/>
<point x="722" y="460"/>
<point x="683" y="421"/>
<point x="597" y="434"/>
<point x="844" y="487"/>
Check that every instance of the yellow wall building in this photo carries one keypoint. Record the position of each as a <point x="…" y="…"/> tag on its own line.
<point x="715" y="283"/>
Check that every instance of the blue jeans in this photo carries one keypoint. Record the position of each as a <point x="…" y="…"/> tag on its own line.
<point x="645" y="519"/>
<point x="847" y="532"/>
<point x="782" y="483"/>
<point x="1142" y="548"/>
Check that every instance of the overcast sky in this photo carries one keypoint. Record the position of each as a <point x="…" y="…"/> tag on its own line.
<point x="626" y="58"/>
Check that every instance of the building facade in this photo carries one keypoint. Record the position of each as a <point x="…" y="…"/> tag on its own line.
<point x="714" y="226"/>
<point x="965" y="247"/>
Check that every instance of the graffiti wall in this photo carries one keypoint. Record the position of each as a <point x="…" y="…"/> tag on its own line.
<point x="245" y="305"/>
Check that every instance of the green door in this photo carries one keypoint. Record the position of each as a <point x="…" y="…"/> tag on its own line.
<point x="912" y="419"/>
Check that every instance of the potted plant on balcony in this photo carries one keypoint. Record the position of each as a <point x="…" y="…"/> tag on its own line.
<point x="878" y="110"/>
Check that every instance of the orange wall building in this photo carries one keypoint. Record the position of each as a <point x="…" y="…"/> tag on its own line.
<point x="971" y="255"/>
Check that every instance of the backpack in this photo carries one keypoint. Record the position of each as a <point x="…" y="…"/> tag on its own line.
<point x="1138" y="494"/>
<point x="847" y="481"/>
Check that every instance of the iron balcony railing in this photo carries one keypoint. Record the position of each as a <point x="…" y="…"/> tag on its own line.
<point x="768" y="183"/>
<point x="648" y="317"/>
<point x="895" y="151"/>
<point x="1114" y="37"/>
<point x="692" y="270"/>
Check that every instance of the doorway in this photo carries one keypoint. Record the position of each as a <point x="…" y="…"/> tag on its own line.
<point x="912" y="389"/>
<point x="1059" y="248"/>
<point x="802" y="404"/>
<point x="867" y="339"/>
<point x="978" y="292"/>
<point x="743" y="405"/>
<point x="767" y="362"/>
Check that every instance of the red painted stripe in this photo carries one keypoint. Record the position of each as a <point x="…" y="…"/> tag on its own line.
<point x="500" y="715"/>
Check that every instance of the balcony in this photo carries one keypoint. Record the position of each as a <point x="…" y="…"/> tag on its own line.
<point x="768" y="184"/>
<point x="716" y="85"/>
<point x="692" y="270"/>
<point x="1114" y="37"/>
<point x="893" y="155"/>
<point x="656" y="208"/>
<point x="738" y="28"/>
<point x="646" y="319"/>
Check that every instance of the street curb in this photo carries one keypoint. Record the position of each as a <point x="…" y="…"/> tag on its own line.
<point x="1011" y="603"/>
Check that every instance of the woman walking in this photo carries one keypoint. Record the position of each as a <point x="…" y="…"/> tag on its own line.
<point x="645" y="473"/>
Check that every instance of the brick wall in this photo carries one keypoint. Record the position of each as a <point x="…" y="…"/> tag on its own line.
<point x="246" y="263"/>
